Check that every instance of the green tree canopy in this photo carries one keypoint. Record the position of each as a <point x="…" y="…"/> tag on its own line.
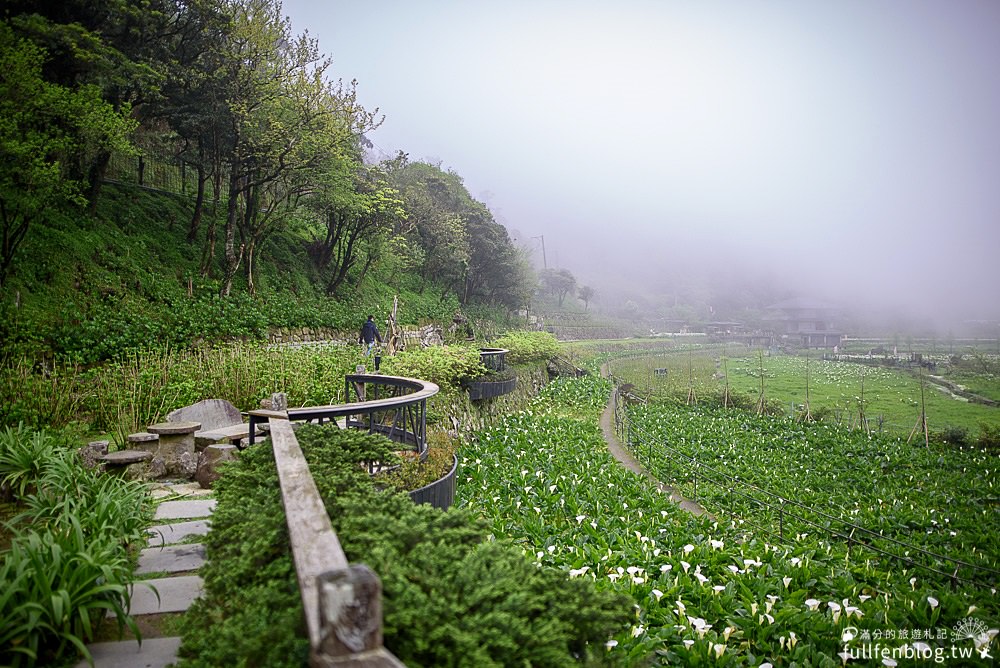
<point x="45" y="129"/>
<point x="559" y="282"/>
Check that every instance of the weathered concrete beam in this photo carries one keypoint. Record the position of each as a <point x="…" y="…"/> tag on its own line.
<point x="345" y="621"/>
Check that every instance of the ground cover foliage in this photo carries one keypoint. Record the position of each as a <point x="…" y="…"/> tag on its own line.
<point x="451" y="596"/>
<point x="91" y="289"/>
<point x="68" y="563"/>
<point x="706" y="592"/>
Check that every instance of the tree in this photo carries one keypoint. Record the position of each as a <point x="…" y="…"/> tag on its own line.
<point x="586" y="293"/>
<point x="353" y="218"/>
<point x="460" y="245"/>
<point x="286" y="121"/>
<point x="559" y="282"/>
<point x="193" y="104"/>
<point x="499" y="272"/>
<point x="45" y="129"/>
<point x="436" y="204"/>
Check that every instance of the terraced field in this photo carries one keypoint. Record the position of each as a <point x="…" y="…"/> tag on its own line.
<point x="712" y="592"/>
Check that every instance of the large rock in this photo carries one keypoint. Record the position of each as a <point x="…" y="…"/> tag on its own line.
<point x="209" y="461"/>
<point x="157" y="468"/>
<point x="211" y="413"/>
<point x="187" y="464"/>
<point x="90" y="454"/>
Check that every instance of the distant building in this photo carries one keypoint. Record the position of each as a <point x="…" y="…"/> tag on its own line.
<point x="724" y="327"/>
<point x="804" y="322"/>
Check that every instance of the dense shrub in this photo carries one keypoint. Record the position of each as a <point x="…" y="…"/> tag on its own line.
<point x="444" y="365"/>
<point x="528" y="346"/>
<point x="450" y="597"/>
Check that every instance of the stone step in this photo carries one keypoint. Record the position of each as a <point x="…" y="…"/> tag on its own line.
<point x="159" y="490"/>
<point x="177" y="510"/>
<point x="175" y="595"/>
<point x="168" y="534"/>
<point x="153" y="653"/>
<point x="171" y="559"/>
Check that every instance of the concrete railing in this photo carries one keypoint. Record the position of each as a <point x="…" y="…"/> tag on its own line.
<point x="342" y="602"/>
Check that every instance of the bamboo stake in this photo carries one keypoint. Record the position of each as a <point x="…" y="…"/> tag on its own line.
<point x="760" y="368"/>
<point x="725" y="370"/>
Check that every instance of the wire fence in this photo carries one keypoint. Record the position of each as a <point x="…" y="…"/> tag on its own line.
<point x="170" y="175"/>
<point x="765" y="512"/>
<point x="842" y="417"/>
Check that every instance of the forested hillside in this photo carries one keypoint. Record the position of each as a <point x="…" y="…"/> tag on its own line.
<point x="276" y="218"/>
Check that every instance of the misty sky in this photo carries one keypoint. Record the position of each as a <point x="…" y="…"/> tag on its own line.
<point x="848" y="149"/>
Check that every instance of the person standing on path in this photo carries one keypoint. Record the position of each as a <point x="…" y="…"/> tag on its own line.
<point x="369" y="335"/>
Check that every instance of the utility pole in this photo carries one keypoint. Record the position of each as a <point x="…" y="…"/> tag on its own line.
<point x="545" y="264"/>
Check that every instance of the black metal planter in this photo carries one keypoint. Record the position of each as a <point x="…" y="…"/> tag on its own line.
<point x="441" y="492"/>
<point x="488" y="389"/>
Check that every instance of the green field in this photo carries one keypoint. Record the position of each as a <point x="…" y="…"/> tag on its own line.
<point x="888" y="398"/>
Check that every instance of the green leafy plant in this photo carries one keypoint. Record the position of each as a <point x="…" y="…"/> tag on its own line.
<point x="69" y="562"/>
<point x="528" y="346"/>
<point x="24" y="455"/>
<point x="60" y="584"/>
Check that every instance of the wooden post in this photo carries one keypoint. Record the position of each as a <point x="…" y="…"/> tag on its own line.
<point x="342" y="603"/>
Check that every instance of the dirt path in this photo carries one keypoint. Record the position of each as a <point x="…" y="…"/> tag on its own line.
<point x="628" y="461"/>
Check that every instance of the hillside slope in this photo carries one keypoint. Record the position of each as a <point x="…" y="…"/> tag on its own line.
<point x="91" y="287"/>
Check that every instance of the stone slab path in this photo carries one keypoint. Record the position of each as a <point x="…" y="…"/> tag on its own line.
<point x="154" y="653"/>
<point x="169" y="534"/>
<point x="179" y="510"/>
<point x="171" y="559"/>
<point x="174" y="594"/>
<point x="166" y="554"/>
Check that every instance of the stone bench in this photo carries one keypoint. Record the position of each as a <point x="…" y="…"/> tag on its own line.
<point x="143" y="441"/>
<point x="233" y="434"/>
<point x="118" y="462"/>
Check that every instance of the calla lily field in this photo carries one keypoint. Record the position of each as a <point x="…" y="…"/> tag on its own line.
<point x="717" y="589"/>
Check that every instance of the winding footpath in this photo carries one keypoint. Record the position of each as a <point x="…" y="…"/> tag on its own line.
<point x="174" y="561"/>
<point x="619" y="452"/>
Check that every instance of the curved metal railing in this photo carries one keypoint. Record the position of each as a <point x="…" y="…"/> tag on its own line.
<point x="494" y="359"/>
<point x="393" y="406"/>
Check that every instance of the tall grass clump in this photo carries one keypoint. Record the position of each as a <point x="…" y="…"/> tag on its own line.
<point x="68" y="564"/>
<point x="141" y="386"/>
<point x="39" y="394"/>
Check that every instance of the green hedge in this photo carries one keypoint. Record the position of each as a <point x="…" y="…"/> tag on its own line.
<point x="451" y="597"/>
<point x="528" y="346"/>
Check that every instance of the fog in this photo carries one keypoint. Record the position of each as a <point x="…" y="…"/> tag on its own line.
<point x="841" y="150"/>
